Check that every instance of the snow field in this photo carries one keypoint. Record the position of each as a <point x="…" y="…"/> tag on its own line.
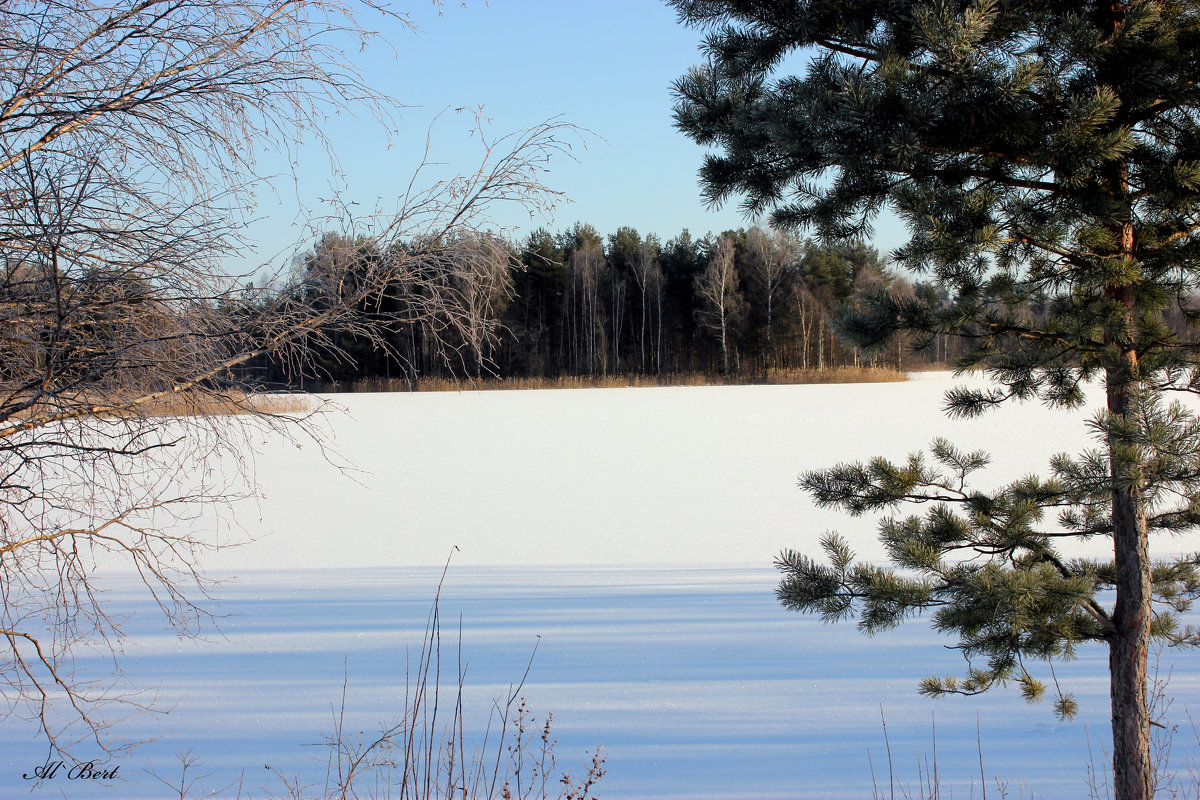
<point x="628" y="535"/>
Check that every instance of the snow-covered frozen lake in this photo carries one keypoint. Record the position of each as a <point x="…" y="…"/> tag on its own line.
<point x="680" y="475"/>
<point x="629" y="535"/>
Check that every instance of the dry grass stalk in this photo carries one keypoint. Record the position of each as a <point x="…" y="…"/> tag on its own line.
<point x="424" y="755"/>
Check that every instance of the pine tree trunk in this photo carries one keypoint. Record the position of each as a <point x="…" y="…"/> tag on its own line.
<point x="1133" y="774"/>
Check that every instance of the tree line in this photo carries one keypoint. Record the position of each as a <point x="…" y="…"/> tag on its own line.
<point x="578" y="302"/>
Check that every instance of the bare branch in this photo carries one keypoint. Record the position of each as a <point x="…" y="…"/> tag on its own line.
<point x="128" y="355"/>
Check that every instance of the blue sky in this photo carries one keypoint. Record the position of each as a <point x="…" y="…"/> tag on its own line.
<point x="604" y="65"/>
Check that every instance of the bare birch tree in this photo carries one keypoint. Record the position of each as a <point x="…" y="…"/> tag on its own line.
<point x="720" y="296"/>
<point x="618" y="289"/>
<point x="588" y="265"/>
<point x="127" y="142"/>
<point x="808" y="309"/>
<point x="648" y="276"/>
<point x="772" y="255"/>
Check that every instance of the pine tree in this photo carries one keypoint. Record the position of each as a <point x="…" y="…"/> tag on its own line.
<point x="1039" y="152"/>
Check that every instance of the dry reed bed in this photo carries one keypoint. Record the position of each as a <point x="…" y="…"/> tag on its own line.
<point x="238" y="403"/>
<point x="224" y="404"/>
<point x="774" y="377"/>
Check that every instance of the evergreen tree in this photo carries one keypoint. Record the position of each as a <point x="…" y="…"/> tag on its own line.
<point x="1041" y="153"/>
<point x="536" y="315"/>
<point x="684" y="257"/>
